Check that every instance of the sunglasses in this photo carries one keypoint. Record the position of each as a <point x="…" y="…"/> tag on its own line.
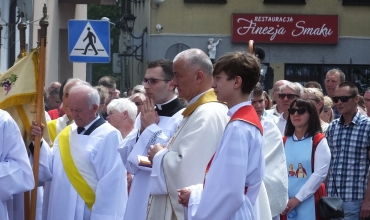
<point x="289" y="96"/>
<point x="342" y="98"/>
<point x="300" y="111"/>
<point x="152" y="81"/>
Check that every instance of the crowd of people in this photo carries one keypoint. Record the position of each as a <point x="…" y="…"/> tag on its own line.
<point x="196" y="140"/>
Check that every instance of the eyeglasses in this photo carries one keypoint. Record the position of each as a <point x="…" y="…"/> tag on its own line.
<point x="289" y="96"/>
<point x="300" y="111"/>
<point x="152" y="81"/>
<point x="342" y="98"/>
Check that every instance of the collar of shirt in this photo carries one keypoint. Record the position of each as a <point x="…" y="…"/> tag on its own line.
<point x="197" y="97"/>
<point x="237" y="107"/>
<point x="355" y="120"/>
<point x="276" y="113"/>
<point x="159" y="106"/>
<point x="89" y="125"/>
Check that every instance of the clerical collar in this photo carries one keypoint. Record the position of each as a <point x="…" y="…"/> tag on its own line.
<point x="170" y="108"/>
<point x="92" y="122"/>
<point x="196" y="97"/>
<point x="159" y="106"/>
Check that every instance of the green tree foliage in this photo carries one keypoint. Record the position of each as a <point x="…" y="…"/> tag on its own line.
<point x="96" y="12"/>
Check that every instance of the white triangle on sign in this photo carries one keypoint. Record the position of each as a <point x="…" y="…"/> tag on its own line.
<point x="80" y="46"/>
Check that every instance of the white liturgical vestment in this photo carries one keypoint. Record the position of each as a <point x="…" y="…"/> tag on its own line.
<point x="276" y="177"/>
<point x="237" y="163"/>
<point x="110" y="186"/>
<point x="184" y="160"/>
<point x="135" y="145"/>
<point x="16" y="175"/>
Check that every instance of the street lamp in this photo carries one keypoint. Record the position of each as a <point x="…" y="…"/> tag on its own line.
<point x="129" y="19"/>
<point x="127" y="23"/>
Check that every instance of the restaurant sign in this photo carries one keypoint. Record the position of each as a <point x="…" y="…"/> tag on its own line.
<point x="281" y="28"/>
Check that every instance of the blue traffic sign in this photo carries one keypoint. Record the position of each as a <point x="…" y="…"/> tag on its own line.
<point x="89" y="41"/>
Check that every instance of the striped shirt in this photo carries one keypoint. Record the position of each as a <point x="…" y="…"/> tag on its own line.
<point x="349" y="145"/>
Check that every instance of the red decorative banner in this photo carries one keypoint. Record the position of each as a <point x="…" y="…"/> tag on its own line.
<point x="284" y="28"/>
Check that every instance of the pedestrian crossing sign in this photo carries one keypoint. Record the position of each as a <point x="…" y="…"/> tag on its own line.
<point x="89" y="41"/>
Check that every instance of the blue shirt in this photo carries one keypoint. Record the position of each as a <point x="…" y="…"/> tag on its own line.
<point x="349" y="145"/>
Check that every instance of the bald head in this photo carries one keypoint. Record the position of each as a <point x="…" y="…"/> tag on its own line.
<point x="192" y="73"/>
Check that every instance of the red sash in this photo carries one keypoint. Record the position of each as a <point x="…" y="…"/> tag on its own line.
<point x="247" y="114"/>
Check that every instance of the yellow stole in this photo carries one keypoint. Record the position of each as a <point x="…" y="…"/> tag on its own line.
<point x="209" y="96"/>
<point x="74" y="176"/>
<point x="52" y="128"/>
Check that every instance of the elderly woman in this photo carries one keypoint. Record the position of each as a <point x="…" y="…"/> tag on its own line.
<point x="138" y="99"/>
<point x="317" y="98"/>
<point x="121" y="115"/>
<point x="307" y="149"/>
<point x="327" y="114"/>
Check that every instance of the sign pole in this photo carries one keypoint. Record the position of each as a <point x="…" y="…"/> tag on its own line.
<point x="39" y="109"/>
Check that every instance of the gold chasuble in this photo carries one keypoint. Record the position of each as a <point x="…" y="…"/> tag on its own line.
<point x="73" y="174"/>
<point x="191" y="147"/>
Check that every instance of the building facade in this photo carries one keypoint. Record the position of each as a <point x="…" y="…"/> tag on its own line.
<point x="191" y="23"/>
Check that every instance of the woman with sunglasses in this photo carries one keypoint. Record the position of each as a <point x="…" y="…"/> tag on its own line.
<point x="305" y="146"/>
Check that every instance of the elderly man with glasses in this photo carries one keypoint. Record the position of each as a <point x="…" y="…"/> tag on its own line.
<point x="160" y="115"/>
<point x="349" y="141"/>
<point x="288" y="92"/>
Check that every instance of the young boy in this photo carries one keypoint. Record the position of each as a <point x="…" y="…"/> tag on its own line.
<point x="235" y="172"/>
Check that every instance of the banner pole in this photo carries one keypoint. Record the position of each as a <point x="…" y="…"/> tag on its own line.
<point x="39" y="109"/>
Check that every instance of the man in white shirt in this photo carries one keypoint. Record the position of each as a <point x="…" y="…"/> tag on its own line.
<point x="286" y="95"/>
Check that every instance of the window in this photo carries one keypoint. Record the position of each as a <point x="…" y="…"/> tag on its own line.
<point x="356" y="2"/>
<point x="206" y="1"/>
<point x="302" y="73"/>
<point x="291" y="2"/>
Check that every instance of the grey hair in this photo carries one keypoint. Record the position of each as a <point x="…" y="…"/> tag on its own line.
<point x="138" y="89"/>
<point x="93" y="97"/>
<point x="140" y="95"/>
<point x="293" y="86"/>
<point x="316" y="92"/>
<point x="196" y="58"/>
<point x="300" y="87"/>
<point x="122" y="105"/>
<point x="342" y="76"/>
<point x="279" y="81"/>
<point x="75" y="81"/>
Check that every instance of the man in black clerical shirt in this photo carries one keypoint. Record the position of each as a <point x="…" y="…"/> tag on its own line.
<point x="158" y="120"/>
<point x="161" y="93"/>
